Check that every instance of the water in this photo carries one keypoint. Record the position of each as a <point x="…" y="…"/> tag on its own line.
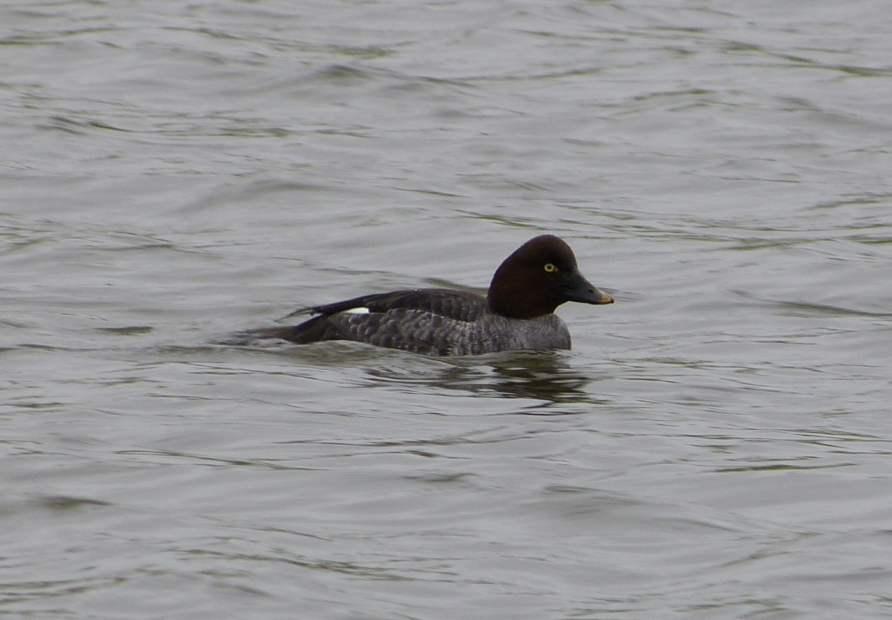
<point x="716" y="445"/>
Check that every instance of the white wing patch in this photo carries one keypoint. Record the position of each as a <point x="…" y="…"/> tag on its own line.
<point x="362" y="310"/>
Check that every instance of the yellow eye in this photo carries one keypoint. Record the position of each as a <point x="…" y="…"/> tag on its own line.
<point x="550" y="268"/>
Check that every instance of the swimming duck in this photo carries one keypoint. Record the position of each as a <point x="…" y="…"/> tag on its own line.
<point x="517" y="312"/>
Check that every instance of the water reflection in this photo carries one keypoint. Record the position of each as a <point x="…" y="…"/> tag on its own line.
<point x="545" y="377"/>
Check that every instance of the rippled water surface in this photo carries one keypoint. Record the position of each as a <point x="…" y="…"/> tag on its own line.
<point x="716" y="445"/>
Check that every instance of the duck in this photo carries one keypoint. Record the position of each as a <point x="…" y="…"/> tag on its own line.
<point x="517" y="312"/>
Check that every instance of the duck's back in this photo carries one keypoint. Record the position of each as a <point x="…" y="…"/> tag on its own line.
<point x="458" y="305"/>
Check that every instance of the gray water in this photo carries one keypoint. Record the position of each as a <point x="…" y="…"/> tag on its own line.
<point x="716" y="445"/>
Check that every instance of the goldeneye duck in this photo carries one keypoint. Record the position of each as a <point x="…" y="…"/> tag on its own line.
<point x="517" y="313"/>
